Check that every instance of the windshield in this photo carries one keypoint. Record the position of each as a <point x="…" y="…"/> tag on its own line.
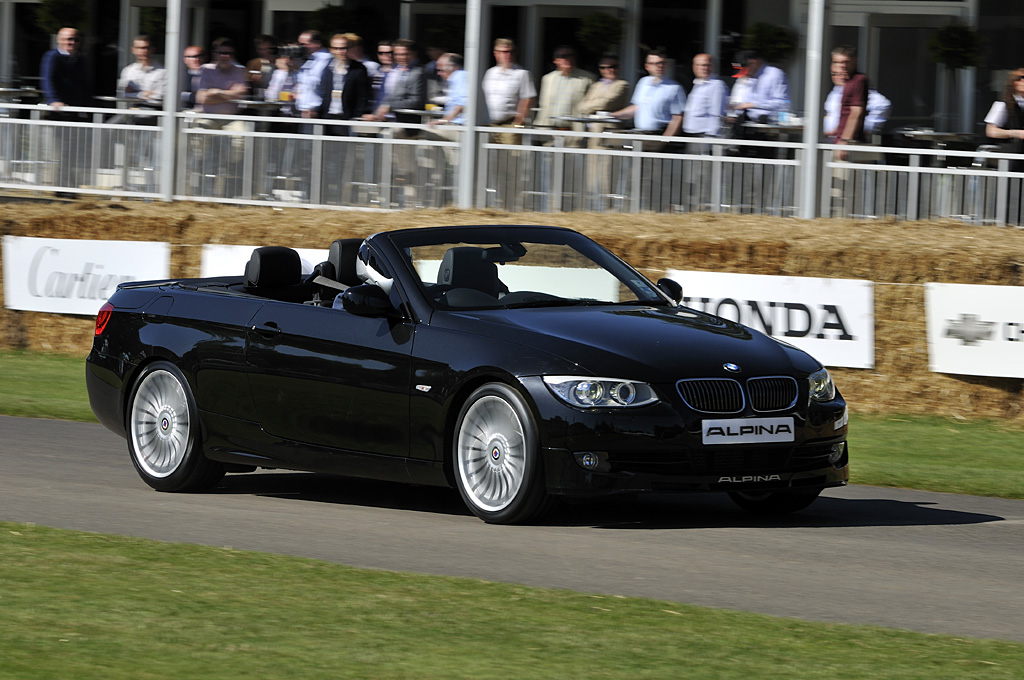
<point x="538" y="268"/>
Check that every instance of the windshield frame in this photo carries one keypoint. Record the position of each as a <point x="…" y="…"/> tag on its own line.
<point x="402" y="243"/>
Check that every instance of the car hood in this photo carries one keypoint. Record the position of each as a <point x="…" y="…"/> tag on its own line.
<point x="653" y="344"/>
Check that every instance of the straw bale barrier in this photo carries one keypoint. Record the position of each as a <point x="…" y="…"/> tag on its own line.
<point x="898" y="256"/>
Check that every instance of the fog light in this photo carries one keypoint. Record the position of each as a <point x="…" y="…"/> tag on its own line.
<point x="837" y="453"/>
<point x="589" y="460"/>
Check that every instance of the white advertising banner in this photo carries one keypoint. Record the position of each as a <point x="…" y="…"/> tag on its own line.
<point x="833" y="320"/>
<point x="218" y="260"/>
<point x="67" y="276"/>
<point x="975" y="330"/>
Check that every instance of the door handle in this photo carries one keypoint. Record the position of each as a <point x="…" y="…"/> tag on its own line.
<point x="268" y="329"/>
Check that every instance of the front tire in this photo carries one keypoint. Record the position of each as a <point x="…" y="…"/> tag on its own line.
<point x="163" y="427"/>
<point x="774" y="502"/>
<point x="497" y="467"/>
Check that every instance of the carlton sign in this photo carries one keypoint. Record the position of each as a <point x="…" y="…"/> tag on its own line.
<point x="831" y="319"/>
<point x="66" y="276"/>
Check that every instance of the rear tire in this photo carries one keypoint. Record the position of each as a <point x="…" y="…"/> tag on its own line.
<point x="163" y="432"/>
<point x="774" y="502"/>
<point x="496" y="460"/>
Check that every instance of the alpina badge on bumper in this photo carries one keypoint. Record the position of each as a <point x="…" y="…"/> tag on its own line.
<point x="747" y="430"/>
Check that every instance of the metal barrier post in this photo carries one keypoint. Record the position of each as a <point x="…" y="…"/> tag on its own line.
<point x="913" y="188"/>
<point x="1002" y="192"/>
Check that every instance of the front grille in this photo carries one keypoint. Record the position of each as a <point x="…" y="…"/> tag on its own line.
<point x="712" y="395"/>
<point x="776" y="393"/>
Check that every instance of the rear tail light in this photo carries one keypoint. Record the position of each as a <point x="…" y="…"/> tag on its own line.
<point x="103" y="317"/>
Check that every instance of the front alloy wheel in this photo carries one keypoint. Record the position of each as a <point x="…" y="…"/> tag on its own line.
<point x="163" y="424"/>
<point x="496" y="461"/>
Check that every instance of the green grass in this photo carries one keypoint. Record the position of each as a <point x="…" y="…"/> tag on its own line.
<point x="81" y="605"/>
<point x="937" y="454"/>
<point x="43" y="386"/>
<point x="931" y="454"/>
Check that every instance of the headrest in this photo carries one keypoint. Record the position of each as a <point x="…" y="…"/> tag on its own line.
<point x="468" y="267"/>
<point x="342" y="255"/>
<point x="273" y="266"/>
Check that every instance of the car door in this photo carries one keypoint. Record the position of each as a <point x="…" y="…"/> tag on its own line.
<point x="326" y="377"/>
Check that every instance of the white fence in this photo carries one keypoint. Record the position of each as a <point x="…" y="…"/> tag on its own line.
<point x="360" y="165"/>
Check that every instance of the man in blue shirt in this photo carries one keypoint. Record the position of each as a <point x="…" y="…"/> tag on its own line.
<point x="706" y="104"/>
<point x="658" y="102"/>
<point x="769" y="93"/>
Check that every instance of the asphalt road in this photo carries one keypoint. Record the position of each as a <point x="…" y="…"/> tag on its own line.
<point x="929" y="562"/>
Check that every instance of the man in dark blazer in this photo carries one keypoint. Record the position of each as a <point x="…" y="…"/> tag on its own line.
<point x="404" y="87"/>
<point x="345" y="84"/>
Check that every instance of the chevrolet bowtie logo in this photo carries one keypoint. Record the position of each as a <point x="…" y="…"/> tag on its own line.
<point x="969" y="329"/>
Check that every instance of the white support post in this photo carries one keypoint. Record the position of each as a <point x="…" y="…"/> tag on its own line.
<point x="812" y="113"/>
<point x="169" y="131"/>
<point x="467" y="142"/>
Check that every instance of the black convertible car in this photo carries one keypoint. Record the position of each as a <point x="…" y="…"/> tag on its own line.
<point x="515" y="363"/>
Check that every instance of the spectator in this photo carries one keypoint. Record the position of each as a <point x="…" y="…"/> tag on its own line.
<point x="348" y="83"/>
<point x="769" y="89"/>
<point x="355" y="49"/>
<point x="309" y="92"/>
<point x="508" y="91"/>
<point x="707" y="101"/>
<point x="404" y="86"/>
<point x="1005" y="120"/>
<point x="658" y="102"/>
<point x="877" y="110"/>
<point x="561" y="92"/>
<point x="282" y="81"/>
<point x="65" y="82"/>
<point x="194" y="58"/>
<point x="385" y="52"/>
<point x="142" y="79"/>
<point x="610" y="92"/>
<point x="221" y="83"/>
<point x="449" y="67"/>
<point x="65" y="74"/>
<point x="853" y="100"/>
<point x="261" y="67"/>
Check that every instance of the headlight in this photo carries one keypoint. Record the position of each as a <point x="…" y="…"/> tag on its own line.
<point x="600" y="392"/>
<point x="822" y="387"/>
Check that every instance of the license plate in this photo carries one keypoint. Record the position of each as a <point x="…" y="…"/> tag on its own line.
<point x="747" y="431"/>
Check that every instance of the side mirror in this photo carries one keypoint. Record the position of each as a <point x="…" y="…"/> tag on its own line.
<point x="367" y="300"/>
<point x="672" y="289"/>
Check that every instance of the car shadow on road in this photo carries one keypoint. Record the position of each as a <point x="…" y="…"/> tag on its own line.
<point x="645" y="511"/>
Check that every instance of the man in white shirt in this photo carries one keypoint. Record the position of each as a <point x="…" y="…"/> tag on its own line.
<point x="706" y="103"/>
<point x="142" y="79"/>
<point x="508" y="90"/>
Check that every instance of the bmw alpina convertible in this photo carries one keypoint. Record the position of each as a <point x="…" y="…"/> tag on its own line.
<point x="518" y="364"/>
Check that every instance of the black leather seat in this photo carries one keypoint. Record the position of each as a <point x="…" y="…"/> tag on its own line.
<point x="275" y="272"/>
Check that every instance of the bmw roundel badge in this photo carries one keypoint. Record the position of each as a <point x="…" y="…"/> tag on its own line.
<point x="732" y="368"/>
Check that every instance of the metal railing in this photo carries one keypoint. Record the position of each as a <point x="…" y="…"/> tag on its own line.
<point x="366" y="165"/>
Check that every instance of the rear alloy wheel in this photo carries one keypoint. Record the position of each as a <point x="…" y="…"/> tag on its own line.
<point x="497" y="466"/>
<point x="774" y="502"/>
<point x="163" y="427"/>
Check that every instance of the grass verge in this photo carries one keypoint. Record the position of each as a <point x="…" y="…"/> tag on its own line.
<point x="94" y="606"/>
<point x="931" y="454"/>
<point x="43" y="386"/>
